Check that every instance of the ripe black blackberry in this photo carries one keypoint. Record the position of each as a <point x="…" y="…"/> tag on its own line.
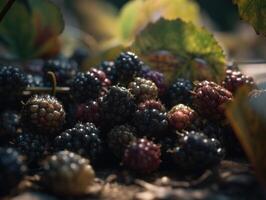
<point x="143" y="89"/>
<point x="210" y="98"/>
<point x="33" y="146"/>
<point x="117" y="107"/>
<point x="179" y="92"/>
<point x="152" y="104"/>
<point x="150" y="122"/>
<point x="235" y="79"/>
<point x="12" y="82"/>
<point x="181" y="116"/>
<point x="83" y="139"/>
<point x="66" y="173"/>
<point x="110" y="70"/>
<point x="85" y="87"/>
<point x="142" y="156"/>
<point x="64" y="70"/>
<point x="88" y="112"/>
<point x="196" y="152"/>
<point x="43" y="114"/>
<point x="119" y="138"/>
<point x="128" y="66"/>
<point x="12" y="170"/>
<point x="10" y="123"/>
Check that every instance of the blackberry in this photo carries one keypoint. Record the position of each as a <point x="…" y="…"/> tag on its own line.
<point x="117" y="107"/>
<point x="181" y="116"/>
<point x="152" y="104"/>
<point x="142" y="156"/>
<point x="43" y="114"/>
<point x="110" y="70"/>
<point x="83" y="139"/>
<point x="66" y="173"/>
<point x="105" y="82"/>
<point x="150" y="122"/>
<point x="80" y="55"/>
<point x="12" y="170"/>
<point x="235" y="79"/>
<point x="143" y="89"/>
<point x="128" y="66"/>
<point x="88" y="112"/>
<point x="64" y="69"/>
<point x="10" y="123"/>
<point x="179" y="92"/>
<point x="33" y="146"/>
<point x="210" y="98"/>
<point x="35" y="80"/>
<point x="156" y="77"/>
<point x="119" y="138"/>
<point x="85" y="87"/>
<point x="196" y="152"/>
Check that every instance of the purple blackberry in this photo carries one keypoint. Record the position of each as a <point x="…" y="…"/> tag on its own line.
<point x="152" y="104"/>
<point x="88" y="112"/>
<point x="110" y="70"/>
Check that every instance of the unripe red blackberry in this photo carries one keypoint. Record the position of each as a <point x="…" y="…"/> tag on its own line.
<point x="210" y="98"/>
<point x="152" y="104"/>
<point x="43" y="114"/>
<point x="235" y="79"/>
<point x="142" y="156"/>
<point x="119" y="138"/>
<point x="143" y="89"/>
<point x="105" y="82"/>
<point x="66" y="173"/>
<point x="181" y="116"/>
<point x="88" y="112"/>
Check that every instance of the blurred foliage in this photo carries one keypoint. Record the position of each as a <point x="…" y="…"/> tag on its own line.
<point x="28" y="31"/>
<point x="189" y="51"/>
<point x="248" y="118"/>
<point x="109" y="28"/>
<point x="254" y="12"/>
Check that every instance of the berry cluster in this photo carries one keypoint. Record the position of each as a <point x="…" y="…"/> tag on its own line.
<point x="121" y="109"/>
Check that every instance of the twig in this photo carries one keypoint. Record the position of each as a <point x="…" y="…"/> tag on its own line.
<point x="6" y="9"/>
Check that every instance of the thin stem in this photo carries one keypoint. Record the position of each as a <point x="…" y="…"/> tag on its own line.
<point x="54" y="83"/>
<point x="41" y="90"/>
<point x="6" y="9"/>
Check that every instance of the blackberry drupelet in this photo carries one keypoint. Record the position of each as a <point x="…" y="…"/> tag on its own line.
<point x="83" y="139"/>
<point x="10" y="123"/>
<point x="119" y="138"/>
<point x="128" y="66"/>
<point x="88" y="112"/>
<point x="33" y="146"/>
<point x="64" y="70"/>
<point x="210" y="98"/>
<point x="12" y="170"/>
<point x="179" y="92"/>
<point x="117" y="107"/>
<point x="43" y="114"/>
<point x="235" y="79"/>
<point x="196" y="152"/>
<point x="66" y="173"/>
<point x="152" y="104"/>
<point x="150" y="122"/>
<point x="181" y="116"/>
<point x="85" y="87"/>
<point x="143" y="89"/>
<point x="110" y="70"/>
<point x="142" y="156"/>
<point x="156" y="77"/>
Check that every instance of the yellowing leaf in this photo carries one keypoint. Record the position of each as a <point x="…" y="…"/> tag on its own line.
<point x="248" y="118"/>
<point x="254" y="12"/>
<point x="180" y="49"/>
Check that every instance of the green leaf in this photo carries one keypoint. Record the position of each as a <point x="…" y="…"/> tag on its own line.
<point x="254" y="12"/>
<point x="31" y="29"/>
<point x="180" y="49"/>
<point x="248" y="119"/>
